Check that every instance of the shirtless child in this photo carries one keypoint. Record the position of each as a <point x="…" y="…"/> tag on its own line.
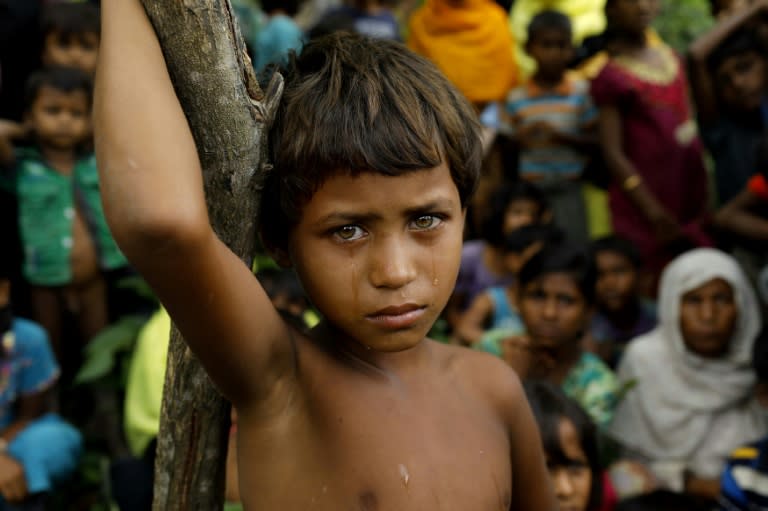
<point x="362" y="412"/>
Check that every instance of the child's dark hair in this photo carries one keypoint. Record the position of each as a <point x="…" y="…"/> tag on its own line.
<point x="70" y="19"/>
<point x="492" y="226"/>
<point x="523" y="237"/>
<point x="562" y="257"/>
<point x="352" y="105"/>
<point x="550" y="406"/>
<point x="740" y="42"/>
<point x="760" y="356"/>
<point x="761" y="159"/>
<point x="549" y="19"/>
<point x="64" y="79"/>
<point x="618" y="245"/>
<point x="663" y="500"/>
<point x="291" y="7"/>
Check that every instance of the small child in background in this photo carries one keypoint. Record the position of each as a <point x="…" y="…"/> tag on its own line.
<point x="622" y="314"/>
<point x="728" y="80"/>
<point x="492" y="316"/>
<point x="70" y="32"/>
<point x="283" y="287"/>
<point x="67" y="244"/>
<point x="553" y="121"/>
<point x="279" y="35"/>
<point x="38" y="450"/>
<point x="570" y="445"/>
<point x="510" y="207"/>
<point x="556" y="292"/>
<point x="742" y="484"/>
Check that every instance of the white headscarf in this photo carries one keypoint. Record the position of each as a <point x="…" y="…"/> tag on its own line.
<point x="686" y="411"/>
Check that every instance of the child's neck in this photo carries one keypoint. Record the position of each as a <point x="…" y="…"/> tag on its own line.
<point x="61" y="160"/>
<point x="548" y="82"/>
<point x="626" y="317"/>
<point x="629" y="42"/>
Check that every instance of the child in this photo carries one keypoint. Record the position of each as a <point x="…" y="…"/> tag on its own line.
<point x="556" y="292"/>
<point x="363" y="411"/>
<point x="71" y="35"/>
<point x="570" y="446"/>
<point x="747" y="466"/>
<point x="67" y="243"/>
<point x="371" y="18"/>
<point x="621" y="313"/>
<point x="728" y="66"/>
<point x="279" y="35"/>
<point x="691" y="402"/>
<point x="497" y="303"/>
<point x="510" y="207"/>
<point x="553" y="120"/>
<point x="658" y="195"/>
<point x="37" y="449"/>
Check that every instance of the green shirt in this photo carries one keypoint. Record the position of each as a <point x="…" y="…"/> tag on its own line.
<point x="593" y="385"/>
<point x="47" y="202"/>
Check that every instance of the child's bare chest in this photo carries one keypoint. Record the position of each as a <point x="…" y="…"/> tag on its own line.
<point x="400" y="451"/>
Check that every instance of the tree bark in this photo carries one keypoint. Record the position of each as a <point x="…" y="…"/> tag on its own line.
<point x="228" y="114"/>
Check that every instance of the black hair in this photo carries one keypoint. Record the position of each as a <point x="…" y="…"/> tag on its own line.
<point x="525" y="236"/>
<point x="64" y="79"/>
<point x="70" y="19"/>
<point x="291" y="7"/>
<point x="761" y="158"/>
<point x="562" y="257"/>
<point x="353" y="104"/>
<point x="550" y="406"/>
<point x="760" y="356"/>
<point x="618" y="245"/>
<point x="491" y="228"/>
<point x="331" y="23"/>
<point x="549" y="19"/>
<point x="740" y="42"/>
<point x="663" y="500"/>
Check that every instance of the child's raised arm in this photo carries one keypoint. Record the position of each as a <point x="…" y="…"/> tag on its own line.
<point x="153" y="198"/>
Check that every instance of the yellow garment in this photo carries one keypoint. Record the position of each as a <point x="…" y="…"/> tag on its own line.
<point x="144" y="391"/>
<point x="470" y="43"/>
<point x="587" y="17"/>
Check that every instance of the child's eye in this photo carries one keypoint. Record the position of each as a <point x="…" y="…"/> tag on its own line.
<point x="349" y="232"/>
<point x="425" y="222"/>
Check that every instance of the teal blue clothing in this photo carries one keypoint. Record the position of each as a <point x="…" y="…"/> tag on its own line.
<point x="276" y="39"/>
<point x="594" y="386"/>
<point x="47" y="201"/>
<point x="506" y="322"/>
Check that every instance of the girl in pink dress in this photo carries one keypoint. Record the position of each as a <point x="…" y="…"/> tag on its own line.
<point x="658" y="194"/>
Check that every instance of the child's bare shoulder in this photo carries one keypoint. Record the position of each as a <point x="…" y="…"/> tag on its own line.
<point x="487" y="375"/>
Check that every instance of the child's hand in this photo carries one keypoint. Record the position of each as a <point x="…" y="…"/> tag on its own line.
<point x="516" y="352"/>
<point x="13" y="485"/>
<point x="536" y="134"/>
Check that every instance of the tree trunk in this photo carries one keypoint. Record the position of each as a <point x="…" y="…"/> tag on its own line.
<point x="228" y="114"/>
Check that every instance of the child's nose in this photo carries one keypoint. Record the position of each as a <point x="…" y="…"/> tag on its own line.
<point x="392" y="266"/>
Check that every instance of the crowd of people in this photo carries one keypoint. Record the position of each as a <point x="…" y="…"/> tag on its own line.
<point x="615" y="251"/>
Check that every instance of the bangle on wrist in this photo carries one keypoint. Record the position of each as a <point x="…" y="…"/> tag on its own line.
<point x="631" y="182"/>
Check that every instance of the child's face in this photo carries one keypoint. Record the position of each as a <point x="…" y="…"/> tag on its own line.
<point x="552" y="50"/>
<point x="59" y="119"/>
<point x="554" y="310"/>
<point x="514" y="261"/>
<point x="708" y="317"/>
<point x="616" y="281"/>
<point x="78" y="50"/>
<point x="520" y="212"/>
<point x="633" y="16"/>
<point x="573" y="482"/>
<point x="378" y="255"/>
<point x="741" y="80"/>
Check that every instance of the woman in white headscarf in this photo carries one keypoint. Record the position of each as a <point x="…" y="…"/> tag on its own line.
<point x="692" y="401"/>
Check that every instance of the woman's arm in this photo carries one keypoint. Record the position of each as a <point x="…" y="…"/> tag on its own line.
<point x="737" y="216"/>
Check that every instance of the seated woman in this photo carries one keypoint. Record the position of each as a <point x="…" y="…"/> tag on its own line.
<point x="692" y="401"/>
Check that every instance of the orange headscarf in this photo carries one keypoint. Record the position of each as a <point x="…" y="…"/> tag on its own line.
<point x="470" y="42"/>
